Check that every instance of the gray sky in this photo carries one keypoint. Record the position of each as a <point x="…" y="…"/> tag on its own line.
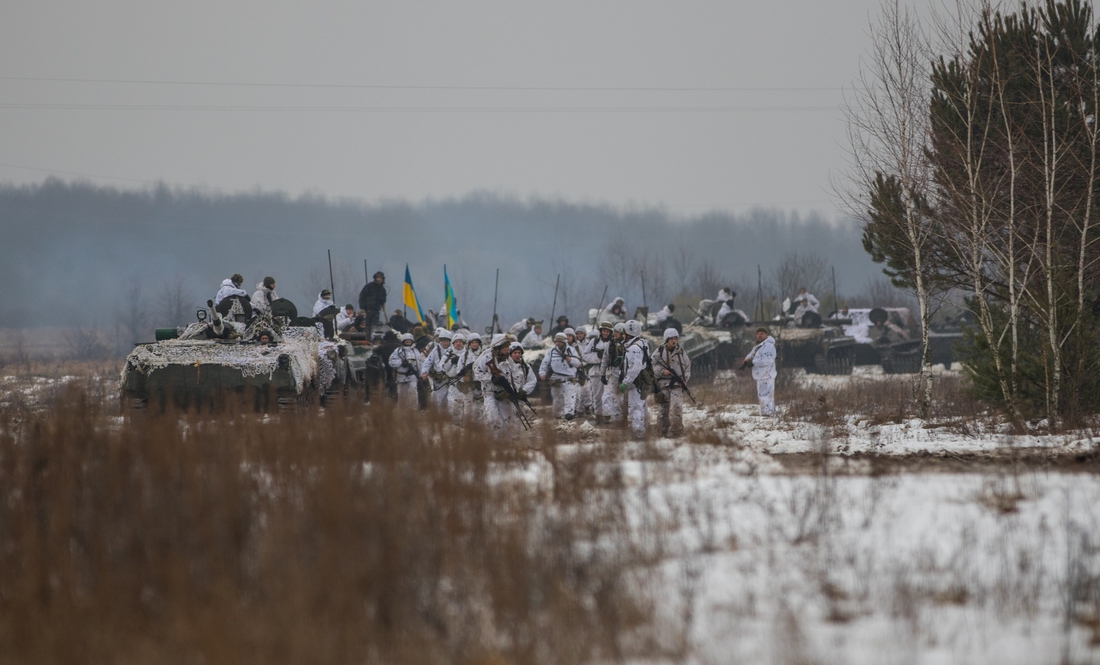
<point x="435" y="144"/>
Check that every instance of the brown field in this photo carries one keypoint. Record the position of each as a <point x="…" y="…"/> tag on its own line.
<point x="348" y="535"/>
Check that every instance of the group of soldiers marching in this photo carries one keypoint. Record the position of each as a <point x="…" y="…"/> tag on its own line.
<point x="607" y="377"/>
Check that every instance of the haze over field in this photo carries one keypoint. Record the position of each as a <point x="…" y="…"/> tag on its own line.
<point x="75" y="252"/>
<point x="404" y="132"/>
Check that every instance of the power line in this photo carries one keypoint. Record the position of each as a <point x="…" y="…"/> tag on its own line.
<point x="365" y="86"/>
<point x="379" y="200"/>
<point x="416" y="109"/>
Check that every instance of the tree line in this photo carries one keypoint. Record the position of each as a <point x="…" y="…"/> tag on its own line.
<point x="975" y="163"/>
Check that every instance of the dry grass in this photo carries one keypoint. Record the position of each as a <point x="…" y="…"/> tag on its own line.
<point x="350" y="535"/>
<point x="878" y="400"/>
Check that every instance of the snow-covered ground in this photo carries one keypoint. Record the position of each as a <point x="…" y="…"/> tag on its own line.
<point x="915" y="568"/>
<point x="779" y="540"/>
<point x="839" y="561"/>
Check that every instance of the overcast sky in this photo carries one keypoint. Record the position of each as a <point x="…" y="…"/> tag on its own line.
<point x="307" y="85"/>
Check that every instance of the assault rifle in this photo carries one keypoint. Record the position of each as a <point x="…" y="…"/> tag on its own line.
<point x="456" y="378"/>
<point x="677" y="379"/>
<point x="524" y="419"/>
<point x="513" y="396"/>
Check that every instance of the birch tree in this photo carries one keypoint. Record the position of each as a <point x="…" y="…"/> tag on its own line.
<point x="888" y="176"/>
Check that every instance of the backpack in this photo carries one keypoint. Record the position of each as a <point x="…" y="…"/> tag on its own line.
<point x="646" y="380"/>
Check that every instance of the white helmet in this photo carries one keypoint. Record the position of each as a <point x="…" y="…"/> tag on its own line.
<point x="444" y="334"/>
<point x="560" y="337"/>
<point x="407" y="337"/>
<point x="499" y="340"/>
<point x="670" y="333"/>
<point x="474" y="337"/>
<point x="633" y="328"/>
<point x="458" y="337"/>
<point x="581" y="331"/>
<point x="516" y="346"/>
<point x="619" y="327"/>
<point x="569" y="332"/>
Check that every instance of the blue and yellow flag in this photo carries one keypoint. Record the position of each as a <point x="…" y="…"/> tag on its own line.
<point x="449" y="301"/>
<point x="411" y="301"/>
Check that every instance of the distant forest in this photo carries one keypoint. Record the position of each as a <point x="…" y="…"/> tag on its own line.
<point x="82" y="254"/>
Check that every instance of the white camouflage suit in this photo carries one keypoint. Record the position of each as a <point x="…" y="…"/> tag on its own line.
<point x="433" y="368"/>
<point x="633" y="364"/>
<point x="763" y="370"/>
<point x="612" y="398"/>
<point x="593" y="359"/>
<point x="499" y="412"/>
<point x="584" y="393"/>
<point x="522" y="376"/>
<point x="476" y="405"/>
<point x="406" y="375"/>
<point x="460" y="393"/>
<point x="559" y="367"/>
<point x="665" y="364"/>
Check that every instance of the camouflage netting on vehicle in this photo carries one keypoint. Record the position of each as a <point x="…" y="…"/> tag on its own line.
<point x="300" y="345"/>
<point x="326" y="354"/>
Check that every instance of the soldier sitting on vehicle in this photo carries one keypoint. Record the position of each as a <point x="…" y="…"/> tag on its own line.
<point x="804" y="295"/>
<point x="534" y="339"/>
<point x="806" y="316"/>
<point x="728" y="317"/>
<point x="523" y="327"/>
<point x="233" y="299"/>
<point x="264" y="295"/>
<point x="345" y="317"/>
<point x="562" y="323"/>
<point x="324" y="312"/>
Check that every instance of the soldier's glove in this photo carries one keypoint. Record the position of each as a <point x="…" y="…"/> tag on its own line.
<point x="603" y="380"/>
<point x="623" y="387"/>
<point x="501" y="382"/>
<point x="454" y="360"/>
<point x="522" y="394"/>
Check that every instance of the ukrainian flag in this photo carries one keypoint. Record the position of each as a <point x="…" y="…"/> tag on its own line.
<point x="449" y="300"/>
<point x="411" y="301"/>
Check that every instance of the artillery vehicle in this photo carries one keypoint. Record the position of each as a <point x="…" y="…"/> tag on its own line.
<point x="206" y="363"/>
<point x="883" y="337"/>
<point x="816" y="348"/>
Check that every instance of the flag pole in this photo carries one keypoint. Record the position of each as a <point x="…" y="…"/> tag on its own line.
<point x="331" y="282"/>
<point x="496" y="290"/>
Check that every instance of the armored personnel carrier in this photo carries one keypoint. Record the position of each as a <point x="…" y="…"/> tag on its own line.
<point x="207" y="363"/>
<point x="817" y="348"/>
<point x="883" y="337"/>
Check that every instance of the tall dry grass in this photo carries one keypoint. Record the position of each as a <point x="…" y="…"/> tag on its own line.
<point x="356" y="534"/>
<point x="879" y="400"/>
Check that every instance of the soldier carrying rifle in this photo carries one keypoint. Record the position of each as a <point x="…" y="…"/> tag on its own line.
<point x="673" y="369"/>
<point x="405" y="360"/>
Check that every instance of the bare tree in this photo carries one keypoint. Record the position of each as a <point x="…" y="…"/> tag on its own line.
<point x="175" y="303"/>
<point x="132" y="314"/>
<point x="683" y="263"/>
<point x="653" y="276"/>
<point x="889" y="174"/>
<point x="617" y="267"/>
<point x="708" y="279"/>
<point x="86" y="342"/>
<point x="800" y="270"/>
